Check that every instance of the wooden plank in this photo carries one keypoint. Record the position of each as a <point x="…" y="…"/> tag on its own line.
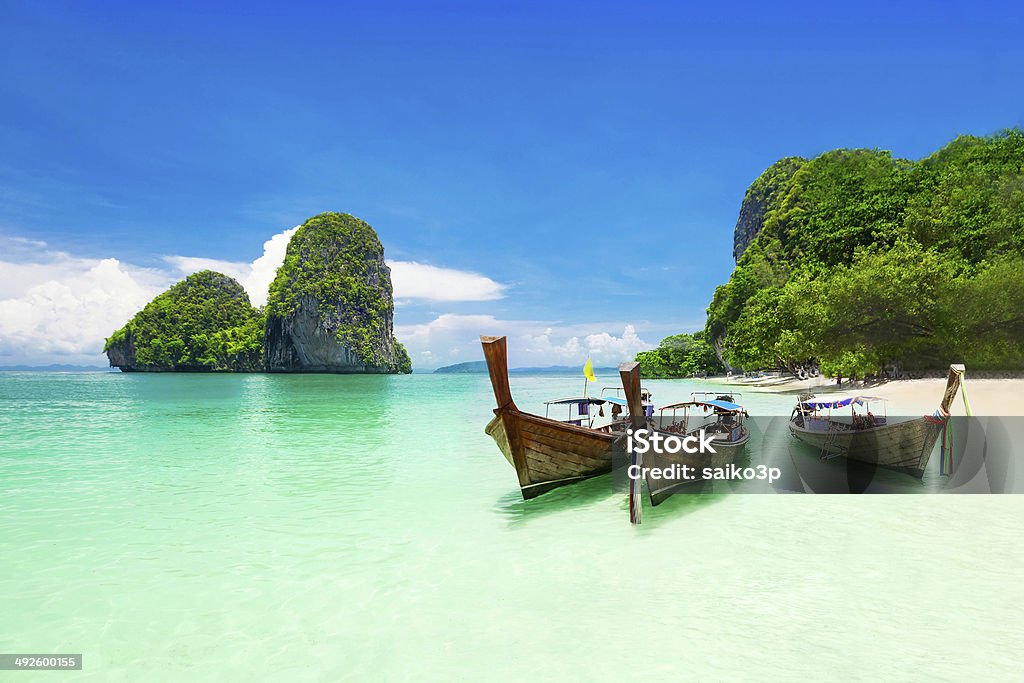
<point x="559" y="456"/>
<point x="568" y="446"/>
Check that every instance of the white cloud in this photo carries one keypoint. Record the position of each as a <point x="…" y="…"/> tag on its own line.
<point x="263" y="269"/>
<point x="560" y="346"/>
<point x="413" y="280"/>
<point x="452" y="338"/>
<point x="55" y="307"/>
<point x="627" y="346"/>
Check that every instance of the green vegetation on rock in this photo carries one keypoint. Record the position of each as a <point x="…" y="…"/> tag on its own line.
<point x="334" y="266"/>
<point x="204" y="322"/>
<point x="867" y="264"/>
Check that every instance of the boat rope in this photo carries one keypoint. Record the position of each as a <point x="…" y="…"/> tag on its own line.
<point x="967" y="404"/>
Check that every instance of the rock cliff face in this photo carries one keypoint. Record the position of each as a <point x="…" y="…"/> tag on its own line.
<point x="203" y="323"/>
<point x="330" y="307"/>
<point x="121" y="352"/>
<point x="748" y="225"/>
<point x="761" y="194"/>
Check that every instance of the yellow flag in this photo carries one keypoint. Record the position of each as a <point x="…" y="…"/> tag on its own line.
<point x="588" y="371"/>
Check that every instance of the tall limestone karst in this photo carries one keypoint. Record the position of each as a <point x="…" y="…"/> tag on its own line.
<point x="203" y="323"/>
<point x="330" y="307"/>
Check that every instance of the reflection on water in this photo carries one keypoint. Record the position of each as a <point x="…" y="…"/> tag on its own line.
<point x="586" y="492"/>
<point x="702" y="496"/>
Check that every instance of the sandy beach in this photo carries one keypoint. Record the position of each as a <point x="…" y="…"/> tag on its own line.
<point x="906" y="397"/>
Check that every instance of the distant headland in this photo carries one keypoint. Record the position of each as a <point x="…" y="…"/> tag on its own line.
<point x="53" y="367"/>
<point x="474" y="367"/>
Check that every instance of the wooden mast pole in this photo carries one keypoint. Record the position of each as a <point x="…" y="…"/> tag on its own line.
<point x="497" y="366"/>
<point x="953" y="380"/>
<point x="630" y="375"/>
<point x="496" y="355"/>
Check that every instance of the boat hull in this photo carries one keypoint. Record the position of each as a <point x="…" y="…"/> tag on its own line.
<point x="546" y="453"/>
<point x="659" y="489"/>
<point x="903" y="447"/>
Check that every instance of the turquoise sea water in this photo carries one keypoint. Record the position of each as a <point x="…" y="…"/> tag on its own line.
<point x="230" y="527"/>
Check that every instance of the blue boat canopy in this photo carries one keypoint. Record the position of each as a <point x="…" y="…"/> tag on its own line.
<point x="724" y="405"/>
<point x="715" y="403"/>
<point x="840" y="402"/>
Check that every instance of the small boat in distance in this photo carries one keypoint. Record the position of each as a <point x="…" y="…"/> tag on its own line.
<point x="902" y="446"/>
<point x="720" y="417"/>
<point x="546" y="452"/>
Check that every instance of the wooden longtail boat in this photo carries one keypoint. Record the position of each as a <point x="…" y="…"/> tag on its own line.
<point x="719" y="417"/>
<point x="546" y="453"/>
<point x="901" y="446"/>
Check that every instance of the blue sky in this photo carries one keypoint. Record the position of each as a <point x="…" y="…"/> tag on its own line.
<point x="590" y="158"/>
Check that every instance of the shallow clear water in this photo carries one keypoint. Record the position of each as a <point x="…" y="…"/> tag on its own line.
<point x="221" y="527"/>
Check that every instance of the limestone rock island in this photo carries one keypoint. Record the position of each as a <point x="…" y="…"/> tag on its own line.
<point x="203" y="323"/>
<point x="330" y="309"/>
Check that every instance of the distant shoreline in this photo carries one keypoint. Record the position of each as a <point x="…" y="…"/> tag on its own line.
<point x="56" y="368"/>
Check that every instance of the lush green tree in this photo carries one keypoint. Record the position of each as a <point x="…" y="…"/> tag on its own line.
<point x="203" y="322"/>
<point x="985" y="315"/>
<point x="681" y="355"/>
<point x="756" y="270"/>
<point x="971" y="197"/>
<point x="750" y="342"/>
<point x="839" y="202"/>
<point x="888" y="301"/>
<point x="239" y="347"/>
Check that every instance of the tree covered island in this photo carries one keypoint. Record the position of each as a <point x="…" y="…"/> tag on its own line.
<point x="864" y="264"/>
<point x="330" y="309"/>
